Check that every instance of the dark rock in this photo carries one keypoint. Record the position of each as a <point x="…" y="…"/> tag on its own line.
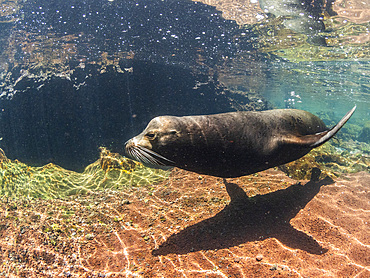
<point x="364" y="135"/>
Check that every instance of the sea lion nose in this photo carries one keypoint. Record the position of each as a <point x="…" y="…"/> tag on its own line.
<point x="128" y="142"/>
<point x="133" y="142"/>
<point x="128" y="147"/>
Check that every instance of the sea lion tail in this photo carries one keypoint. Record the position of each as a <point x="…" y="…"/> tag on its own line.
<point x="327" y="135"/>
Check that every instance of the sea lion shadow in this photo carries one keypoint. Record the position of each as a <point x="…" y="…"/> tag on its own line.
<point x="247" y="219"/>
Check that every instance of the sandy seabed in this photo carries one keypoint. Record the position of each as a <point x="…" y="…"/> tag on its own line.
<point x="262" y="225"/>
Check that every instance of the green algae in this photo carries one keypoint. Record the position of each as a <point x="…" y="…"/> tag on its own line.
<point x="332" y="160"/>
<point x="114" y="172"/>
<point x="111" y="171"/>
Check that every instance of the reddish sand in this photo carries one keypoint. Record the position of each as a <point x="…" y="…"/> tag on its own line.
<point x="188" y="227"/>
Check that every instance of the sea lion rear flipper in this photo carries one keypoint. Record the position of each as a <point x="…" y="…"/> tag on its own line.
<point x="326" y="135"/>
<point x="316" y="140"/>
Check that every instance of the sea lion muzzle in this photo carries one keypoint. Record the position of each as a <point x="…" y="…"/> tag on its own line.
<point x="145" y="155"/>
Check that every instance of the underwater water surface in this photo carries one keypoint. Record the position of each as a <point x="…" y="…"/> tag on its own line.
<point x="80" y="78"/>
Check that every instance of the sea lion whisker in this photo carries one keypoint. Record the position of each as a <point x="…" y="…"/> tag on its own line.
<point x="137" y="156"/>
<point x="153" y="158"/>
<point x="133" y="153"/>
<point x="155" y="154"/>
<point x="130" y="152"/>
<point x="148" y="154"/>
<point x="149" y="158"/>
<point x="140" y="156"/>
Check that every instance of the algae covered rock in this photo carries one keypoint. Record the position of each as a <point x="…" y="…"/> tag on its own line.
<point x="110" y="172"/>
<point x="333" y="161"/>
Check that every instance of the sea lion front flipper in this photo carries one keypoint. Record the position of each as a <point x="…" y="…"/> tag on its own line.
<point x="316" y="140"/>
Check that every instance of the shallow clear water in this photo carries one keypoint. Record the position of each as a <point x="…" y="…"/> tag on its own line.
<point x="79" y="75"/>
<point x="332" y="86"/>
<point x="133" y="56"/>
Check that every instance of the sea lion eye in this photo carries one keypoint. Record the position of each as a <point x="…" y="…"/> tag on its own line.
<point x="173" y="132"/>
<point x="150" y="135"/>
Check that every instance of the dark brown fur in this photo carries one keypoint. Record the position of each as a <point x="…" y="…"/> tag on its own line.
<point x="233" y="144"/>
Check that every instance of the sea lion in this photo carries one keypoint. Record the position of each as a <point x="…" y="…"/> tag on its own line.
<point x="231" y="144"/>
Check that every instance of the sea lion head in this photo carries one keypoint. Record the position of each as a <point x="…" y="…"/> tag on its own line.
<point x="158" y="139"/>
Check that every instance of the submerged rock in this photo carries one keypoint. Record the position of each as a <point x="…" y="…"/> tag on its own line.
<point x="364" y="135"/>
<point x="110" y="172"/>
<point x="331" y="160"/>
